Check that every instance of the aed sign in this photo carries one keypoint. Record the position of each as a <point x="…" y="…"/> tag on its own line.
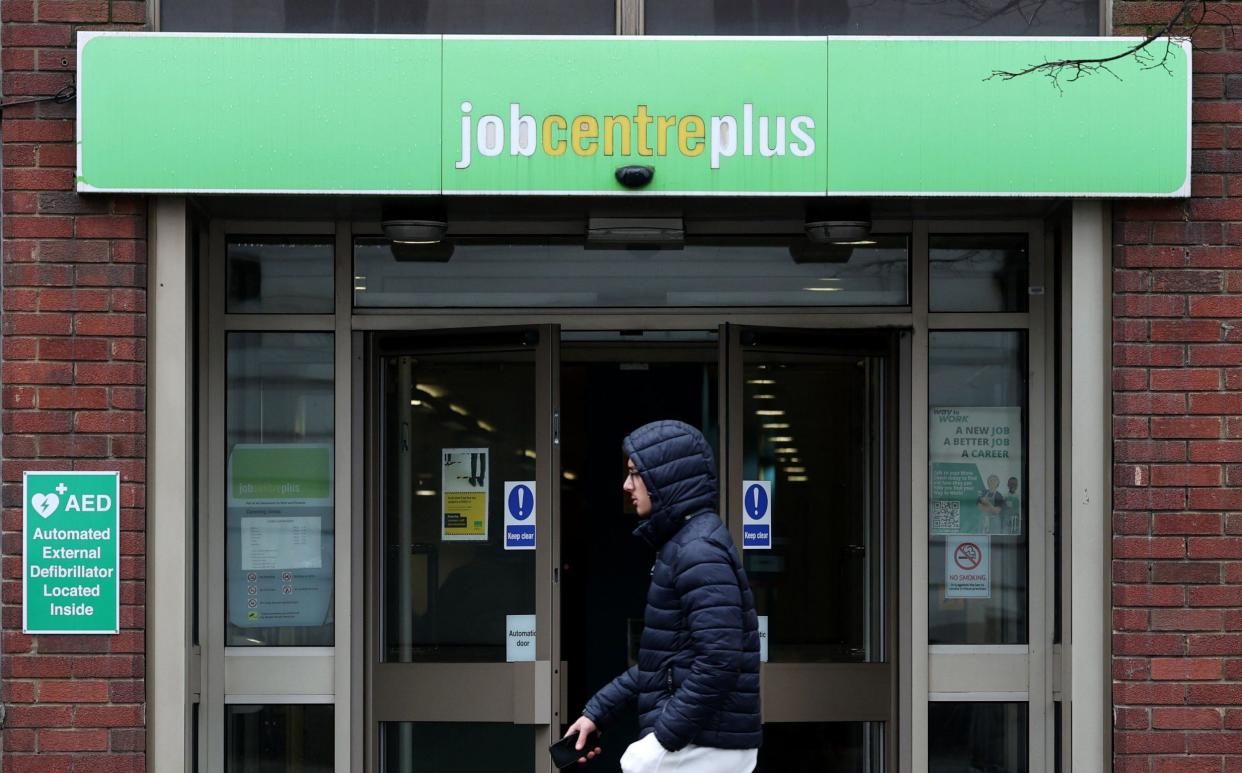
<point x="520" y="515"/>
<point x="756" y="514"/>
<point x="72" y="552"/>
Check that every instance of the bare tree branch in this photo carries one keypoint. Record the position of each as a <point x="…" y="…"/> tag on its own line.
<point x="1152" y="52"/>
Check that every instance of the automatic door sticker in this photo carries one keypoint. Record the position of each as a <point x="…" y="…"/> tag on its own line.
<point x="464" y="491"/>
<point x="756" y="514"/>
<point x="519" y="515"/>
<point x="763" y="638"/>
<point x="967" y="567"/>
<point x="520" y="638"/>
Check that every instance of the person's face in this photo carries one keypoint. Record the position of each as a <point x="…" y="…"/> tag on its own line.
<point x="1013" y="485"/>
<point x="993" y="482"/>
<point x="637" y="489"/>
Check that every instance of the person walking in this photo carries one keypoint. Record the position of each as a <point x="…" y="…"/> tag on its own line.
<point x="696" y="682"/>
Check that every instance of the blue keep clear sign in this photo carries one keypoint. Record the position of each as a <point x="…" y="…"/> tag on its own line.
<point x="519" y="515"/>
<point x="756" y="514"/>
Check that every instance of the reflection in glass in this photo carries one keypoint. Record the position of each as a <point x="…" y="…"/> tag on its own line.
<point x="968" y="737"/>
<point x="977" y="430"/>
<point x="450" y="747"/>
<point x="279" y="275"/>
<point x="456" y="426"/>
<point x="824" y="747"/>
<point x="979" y="273"/>
<point x="820" y="583"/>
<point x="540" y="275"/>
<point x="285" y="738"/>
<point x="529" y="17"/>
<point x="279" y="489"/>
<point x="871" y="17"/>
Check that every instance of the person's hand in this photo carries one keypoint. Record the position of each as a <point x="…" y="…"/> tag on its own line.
<point x="584" y="727"/>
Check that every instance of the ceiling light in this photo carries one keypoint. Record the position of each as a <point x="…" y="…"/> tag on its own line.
<point x="528" y="453"/>
<point x="425" y="492"/>
<point x="416" y="403"/>
<point x="781" y="439"/>
<point x="763" y="397"/>
<point x="569" y="475"/>
<point x="797" y="478"/>
<point x="786" y="450"/>
<point x="432" y="389"/>
<point x="795" y="469"/>
<point x="457" y="409"/>
<point x="775" y="425"/>
<point x="770" y="412"/>
<point x="823" y="289"/>
<point x="760" y="381"/>
<point x="485" y="426"/>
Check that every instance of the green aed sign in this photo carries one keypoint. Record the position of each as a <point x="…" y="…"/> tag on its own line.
<point x="72" y="552"/>
<point x="472" y="115"/>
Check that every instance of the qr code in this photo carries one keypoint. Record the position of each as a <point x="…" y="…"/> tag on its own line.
<point x="946" y="515"/>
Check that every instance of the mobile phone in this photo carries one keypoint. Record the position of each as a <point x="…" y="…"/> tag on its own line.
<point x="564" y="754"/>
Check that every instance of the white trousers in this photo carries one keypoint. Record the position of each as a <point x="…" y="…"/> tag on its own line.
<point x="648" y="756"/>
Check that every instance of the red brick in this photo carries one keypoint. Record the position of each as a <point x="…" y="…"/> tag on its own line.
<point x="1216" y="403"/>
<point x="1185" y="427"/>
<point x="1216" y="451"/>
<point x="73" y="740"/>
<point x="1214" y="547"/>
<point x="1214" y="644"/>
<point x="1187" y="523"/>
<point x="1185" y="475"/>
<point x="1187" y="620"/>
<point x="1188" y="765"/>
<point x="1149" y="743"/>
<point x="1149" y="547"/>
<point x="1185" y="719"/>
<point x="1187" y="330"/>
<point x="1186" y="379"/>
<point x="1162" y="644"/>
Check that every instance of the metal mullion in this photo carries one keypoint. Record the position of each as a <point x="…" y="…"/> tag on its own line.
<point x="981" y="321"/>
<point x="212" y="634"/>
<point x="347" y="757"/>
<point x="547" y="482"/>
<point x="278" y="227"/>
<point x="839" y="318"/>
<point x="939" y="227"/>
<point x="280" y="322"/>
<point x="913" y="723"/>
<point x="732" y="374"/>
<point x="1039" y="472"/>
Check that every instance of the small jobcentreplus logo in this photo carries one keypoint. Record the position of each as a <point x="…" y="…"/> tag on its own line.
<point x="641" y="133"/>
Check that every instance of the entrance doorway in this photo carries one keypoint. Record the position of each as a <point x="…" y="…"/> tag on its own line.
<point x="456" y="416"/>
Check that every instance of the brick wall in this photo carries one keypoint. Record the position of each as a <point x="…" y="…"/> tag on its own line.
<point x="74" y="373"/>
<point x="1177" y="405"/>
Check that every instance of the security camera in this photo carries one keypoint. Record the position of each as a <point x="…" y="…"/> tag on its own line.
<point x="635" y="175"/>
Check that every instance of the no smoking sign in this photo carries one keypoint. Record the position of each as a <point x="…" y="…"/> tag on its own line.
<point x="967" y="567"/>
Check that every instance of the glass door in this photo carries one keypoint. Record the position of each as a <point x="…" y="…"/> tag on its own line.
<point x="811" y="499"/>
<point x="461" y="467"/>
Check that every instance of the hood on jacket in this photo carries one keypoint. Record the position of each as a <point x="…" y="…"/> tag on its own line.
<point x="679" y="470"/>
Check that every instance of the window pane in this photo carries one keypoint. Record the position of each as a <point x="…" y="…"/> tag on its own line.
<point x="979" y="273"/>
<point x="541" y="275"/>
<point x="529" y="17"/>
<point x="969" y="737"/>
<point x="452" y="439"/>
<point x="450" y="747"/>
<point x="279" y="481"/>
<point x="296" y="738"/>
<point x="824" y="747"/>
<point x="977" y="432"/>
<point x="870" y="17"/>
<point x="823" y="468"/>
<point x="279" y="275"/>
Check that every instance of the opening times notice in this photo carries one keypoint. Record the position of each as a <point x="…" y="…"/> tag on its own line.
<point x="71" y="560"/>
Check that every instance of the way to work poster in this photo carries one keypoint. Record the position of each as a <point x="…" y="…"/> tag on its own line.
<point x="976" y="470"/>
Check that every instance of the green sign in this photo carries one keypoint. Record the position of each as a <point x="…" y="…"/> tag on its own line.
<point x="976" y="470"/>
<point x="72" y="552"/>
<point x="827" y="116"/>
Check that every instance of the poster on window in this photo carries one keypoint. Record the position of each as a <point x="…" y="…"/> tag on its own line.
<point x="464" y="486"/>
<point x="280" y="534"/>
<point x="976" y="470"/>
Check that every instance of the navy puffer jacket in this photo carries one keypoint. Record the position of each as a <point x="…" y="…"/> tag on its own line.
<point x="697" y="676"/>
